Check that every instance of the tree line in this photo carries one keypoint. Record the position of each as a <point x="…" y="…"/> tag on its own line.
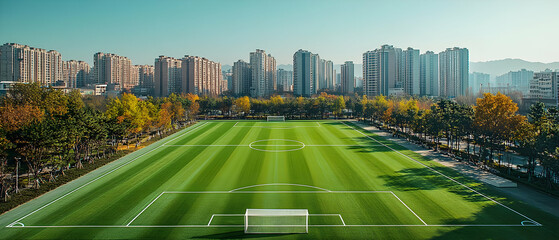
<point x="44" y="132"/>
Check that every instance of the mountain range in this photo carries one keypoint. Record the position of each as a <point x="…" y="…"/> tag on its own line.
<point x="499" y="67"/>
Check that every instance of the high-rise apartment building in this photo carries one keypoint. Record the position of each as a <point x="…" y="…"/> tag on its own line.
<point x="382" y="71"/>
<point x="453" y="72"/>
<point x="263" y="69"/>
<point x="167" y="76"/>
<point x="325" y="74"/>
<point x="305" y="73"/>
<point x="21" y="63"/>
<point x="478" y="81"/>
<point x="134" y="79"/>
<point x="545" y="86"/>
<point x="429" y="74"/>
<point x="410" y="73"/>
<point x="201" y="76"/>
<point x="285" y="80"/>
<point x="517" y="80"/>
<point x="348" y="78"/>
<point x="111" y="69"/>
<point x="242" y="78"/>
<point x="145" y="76"/>
<point x="76" y="73"/>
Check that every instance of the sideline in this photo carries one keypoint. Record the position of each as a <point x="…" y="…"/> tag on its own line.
<point x="104" y="171"/>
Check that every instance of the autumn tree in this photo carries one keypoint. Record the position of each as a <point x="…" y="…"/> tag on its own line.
<point x="496" y="119"/>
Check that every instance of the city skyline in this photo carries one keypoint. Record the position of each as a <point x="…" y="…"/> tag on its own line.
<point x="210" y="29"/>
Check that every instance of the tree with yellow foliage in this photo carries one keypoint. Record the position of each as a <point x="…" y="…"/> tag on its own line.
<point x="496" y="120"/>
<point x="241" y="105"/>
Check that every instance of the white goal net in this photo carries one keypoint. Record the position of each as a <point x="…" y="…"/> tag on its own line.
<point x="275" y="119"/>
<point x="277" y="221"/>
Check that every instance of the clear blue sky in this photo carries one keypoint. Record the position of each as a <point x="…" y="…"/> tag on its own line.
<point x="227" y="30"/>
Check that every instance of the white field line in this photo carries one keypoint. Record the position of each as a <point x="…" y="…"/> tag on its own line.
<point x="235" y="124"/>
<point x="105" y="174"/>
<point x="341" y="219"/>
<point x="231" y="226"/>
<point x="280" y="184"/>
<point x="145" y="208"/>
<point x="223" y="214"/>
<point x="201" y="145"/>
<point x="245" y="145"/>
<point x="408" y="208"/>
<point x="186" y="133"/>
<point x="328" y="214"/>
<point x="442" y="174"/>
<point x="211" y="192"/>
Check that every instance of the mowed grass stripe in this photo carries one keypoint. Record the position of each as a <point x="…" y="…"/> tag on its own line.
<point x="95" y="193"/>
<point x="435" y="199"/>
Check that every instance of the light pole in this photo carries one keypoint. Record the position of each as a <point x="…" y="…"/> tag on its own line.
<point x="17" y="173"/>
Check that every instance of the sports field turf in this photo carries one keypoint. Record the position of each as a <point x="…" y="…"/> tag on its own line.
<point x="198" y="183"/>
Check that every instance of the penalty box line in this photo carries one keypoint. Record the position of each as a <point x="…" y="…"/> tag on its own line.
<point x="103" y="175"/>
<point x="444" y="175"/>
<point x="264" y="192"/>
<point x="239" y="215"/>
<point x="234" y="226"/>
<point x="270" y="145"/>
<point x="275" y="127"/>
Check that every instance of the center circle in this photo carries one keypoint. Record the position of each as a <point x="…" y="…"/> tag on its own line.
<point x="276" y="145"/>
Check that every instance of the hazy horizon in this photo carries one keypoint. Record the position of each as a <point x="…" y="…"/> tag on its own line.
<point x="226" y="31"/>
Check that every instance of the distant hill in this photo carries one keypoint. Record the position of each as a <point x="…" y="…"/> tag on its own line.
<point x="226" y="67"/>
<point x="499" y="67"/>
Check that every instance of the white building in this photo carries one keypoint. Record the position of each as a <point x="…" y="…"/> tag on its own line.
<point x="545" y="86"/>
<point x="382" y="71"/>
<point x="429" y="74"/>
<point x="22" y="63"/>
<point x="453" y="72"/>
<point x="112" y="69"/>
<point x="263" y="70"/>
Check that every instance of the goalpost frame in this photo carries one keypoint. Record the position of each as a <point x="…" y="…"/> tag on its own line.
<point x="275" y="118"/>
<point x="277" y="213"/>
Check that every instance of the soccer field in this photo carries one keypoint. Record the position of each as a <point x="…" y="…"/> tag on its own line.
<point x="199" y="182"/>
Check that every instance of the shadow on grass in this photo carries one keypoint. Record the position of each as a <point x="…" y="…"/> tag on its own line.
<point x="413" y="179"/>
<point x="240" y="235"/>
<point x="498" y="215"/>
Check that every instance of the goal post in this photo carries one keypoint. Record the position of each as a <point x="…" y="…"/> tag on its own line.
<point x="275" y="118"/>
<point x="277" y="221"/>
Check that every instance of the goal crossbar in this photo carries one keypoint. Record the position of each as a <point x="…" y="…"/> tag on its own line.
<point x="275" y="118"/>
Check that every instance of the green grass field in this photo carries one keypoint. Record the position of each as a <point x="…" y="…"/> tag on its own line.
<point x="199" y="182"/>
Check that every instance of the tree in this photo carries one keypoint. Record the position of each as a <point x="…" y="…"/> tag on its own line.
<point x="241" y="105"/>
<point x="339" y="106"/>
<point x="496" y="119"/>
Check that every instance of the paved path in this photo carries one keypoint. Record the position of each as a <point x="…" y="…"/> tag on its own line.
<point x="521" y="192"/>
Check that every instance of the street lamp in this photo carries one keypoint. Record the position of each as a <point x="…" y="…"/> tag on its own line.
<point x="17" y="173"/>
